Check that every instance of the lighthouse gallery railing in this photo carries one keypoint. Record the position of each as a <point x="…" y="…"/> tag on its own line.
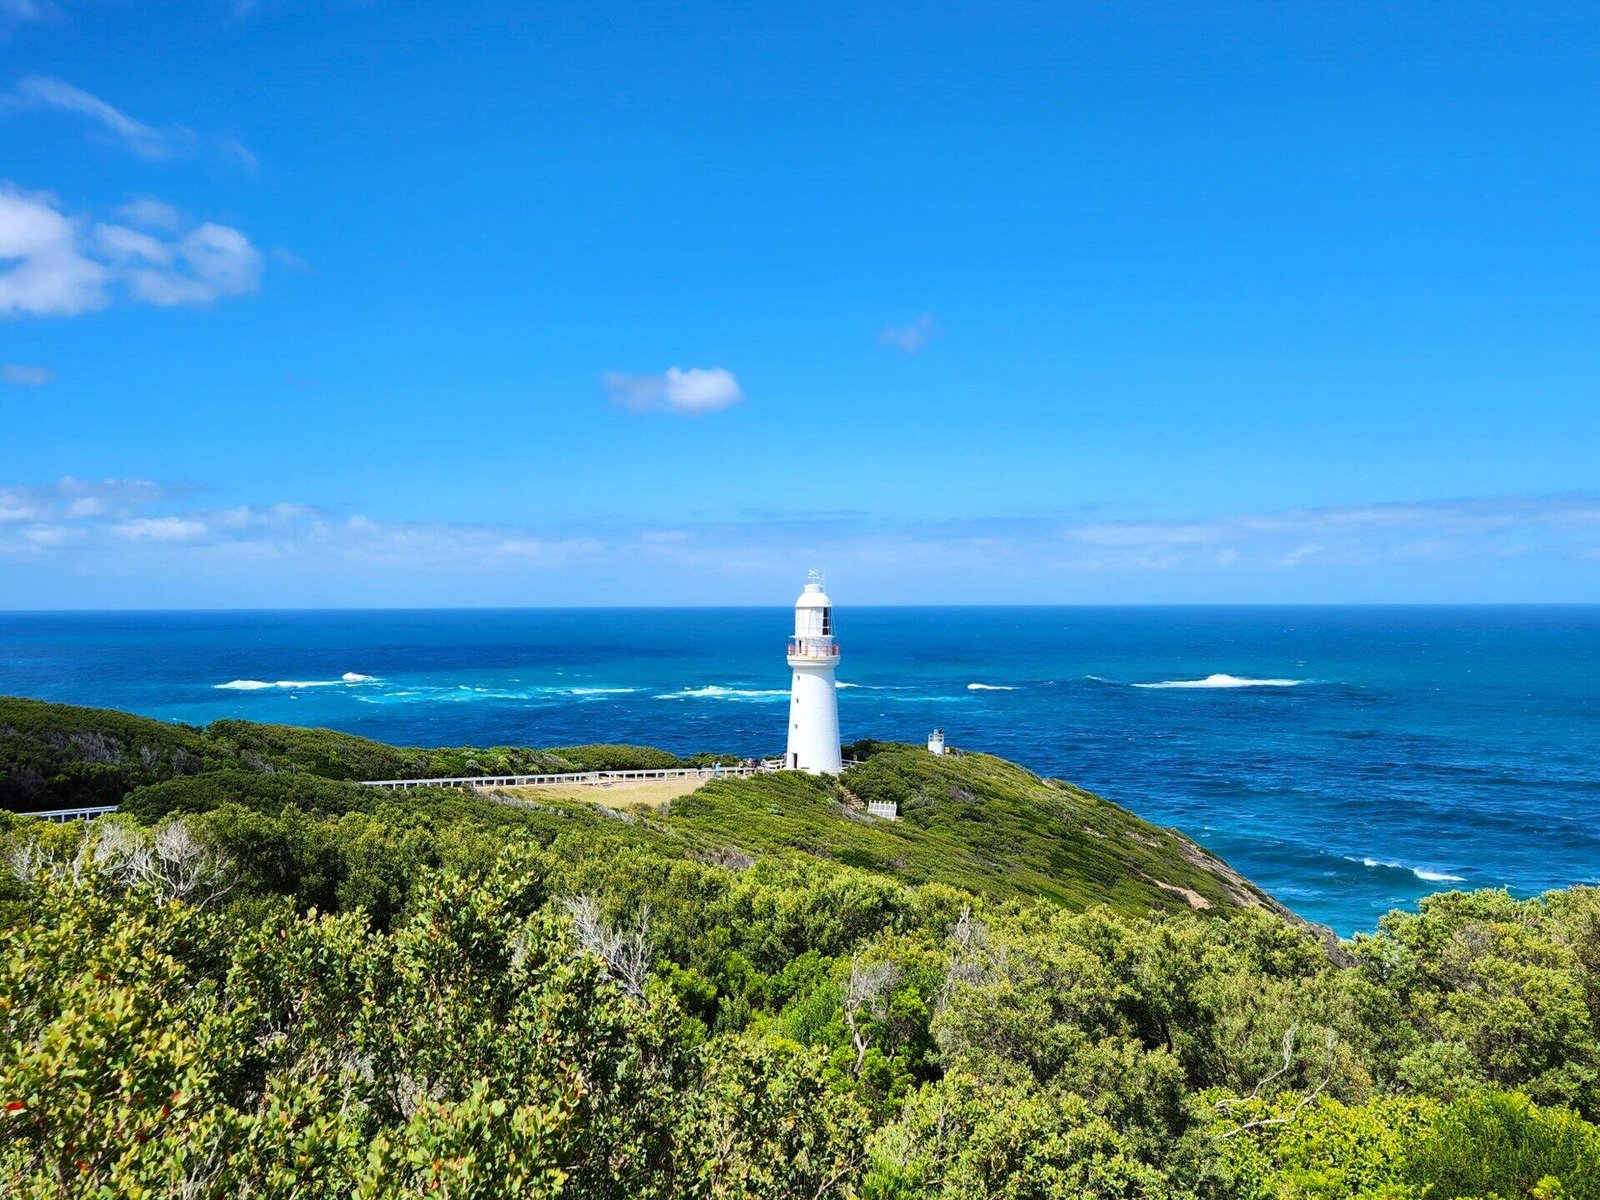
<point x="813" y="648"/>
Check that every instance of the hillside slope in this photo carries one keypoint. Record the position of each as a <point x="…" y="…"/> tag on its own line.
<point x="972" y="821"/>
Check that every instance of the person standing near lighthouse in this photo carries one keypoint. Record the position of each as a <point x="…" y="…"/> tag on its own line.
<point x="814" y="703"/>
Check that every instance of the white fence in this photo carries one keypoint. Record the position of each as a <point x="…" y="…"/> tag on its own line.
<point x="592" y="778"/>
<point x="576" y="777"/>
<point x="72" y="814"/>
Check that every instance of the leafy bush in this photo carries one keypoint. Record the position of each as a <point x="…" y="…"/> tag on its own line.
<point x="258" y="980"/>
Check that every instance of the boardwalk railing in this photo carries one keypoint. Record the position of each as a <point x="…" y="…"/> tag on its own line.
<point x="72" y="814"/>
<point x="578" y="777"/>
<point x="592" y="778"/>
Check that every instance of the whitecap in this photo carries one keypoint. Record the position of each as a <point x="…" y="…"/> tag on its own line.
<point x="1222" y="681"/>
<point x="1421" y="873"/>
<point x="715" y="692"/>
<point x="989" y="687"/>
<point x="356" y="677"/>
<point x="255" y="685"/>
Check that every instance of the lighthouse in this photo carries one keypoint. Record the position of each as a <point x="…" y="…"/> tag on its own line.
<point x="814" y="702"/>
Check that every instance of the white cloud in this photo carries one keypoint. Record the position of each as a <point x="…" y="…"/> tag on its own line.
<point x="69" y="499"/>
<point x="161" y="529"/>
<point x="110" y="122"/>
<point x="132" y="528"/>
<point x="22" y="12"/>
<point x="693" y="392"/>
<point x="51" y="266"/>
<point x="43" y="269"/>
<point x="237" y="152"/>
<point x="207" y="262"/>
<point x="909" y="337"/>
<point x="18" y="375"/>
<point x="290" y="259"/>
<point x="149" y="213"/>
<point x="41" y="91"/>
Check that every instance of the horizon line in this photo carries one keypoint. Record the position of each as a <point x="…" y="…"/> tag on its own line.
<point x="501" y="608"/>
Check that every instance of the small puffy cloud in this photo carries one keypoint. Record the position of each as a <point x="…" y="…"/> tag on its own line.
<point x="207" y="262"/>
<point x="51" y="265"/>
<point x="43" y="268"/>
<point x="909" y="337"/>
<point x="18" y="375"/>
<point x="693" y="392"/>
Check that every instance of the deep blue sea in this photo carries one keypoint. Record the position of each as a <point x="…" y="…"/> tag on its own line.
<point x="1347" y="759"/>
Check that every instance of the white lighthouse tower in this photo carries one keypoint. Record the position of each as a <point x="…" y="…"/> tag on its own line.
<point x="814" y="705"/>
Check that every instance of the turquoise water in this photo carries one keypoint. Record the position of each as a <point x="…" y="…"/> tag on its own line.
<point x="1374" y="755"/>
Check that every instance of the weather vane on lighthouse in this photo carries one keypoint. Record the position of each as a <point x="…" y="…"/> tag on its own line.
<point x="814" y="703"/>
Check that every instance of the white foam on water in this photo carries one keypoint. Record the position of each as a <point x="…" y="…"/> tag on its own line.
<point x="989" y="687"/>
<point x="259" y="685"/>
<point x="256" y="685"/>
<point x="715" y="692"/>
<point x="1421" y="873"/>
<point x="1222" y="681"/>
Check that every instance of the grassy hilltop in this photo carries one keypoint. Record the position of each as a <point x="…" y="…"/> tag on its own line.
<point x="260" y="978"/>
<point x="975" y="821"/>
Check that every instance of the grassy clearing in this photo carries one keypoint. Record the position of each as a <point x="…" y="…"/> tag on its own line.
<point x="622" y="793"/>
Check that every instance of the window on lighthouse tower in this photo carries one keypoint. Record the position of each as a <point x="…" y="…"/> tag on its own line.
<point x="827" y="622"/>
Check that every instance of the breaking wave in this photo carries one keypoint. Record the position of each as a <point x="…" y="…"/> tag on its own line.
<point x="257" y="685"/>
<point x="1421" y="873"/>
<point x="1222" y="681"/>
<point x="989" y="687"/>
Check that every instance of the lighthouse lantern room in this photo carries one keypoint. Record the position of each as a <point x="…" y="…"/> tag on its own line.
<point x="814" y="702"/>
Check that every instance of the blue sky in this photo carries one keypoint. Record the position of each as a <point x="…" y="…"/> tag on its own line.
<point x="364" y="303"/>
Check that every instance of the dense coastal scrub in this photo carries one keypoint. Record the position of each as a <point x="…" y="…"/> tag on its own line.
<point x="271" y="982"/>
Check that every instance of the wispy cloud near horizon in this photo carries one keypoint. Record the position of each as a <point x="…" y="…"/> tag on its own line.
<point x="116" y="528"/>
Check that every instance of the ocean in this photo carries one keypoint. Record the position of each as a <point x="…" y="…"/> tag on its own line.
<point x="1350" y="759"/>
